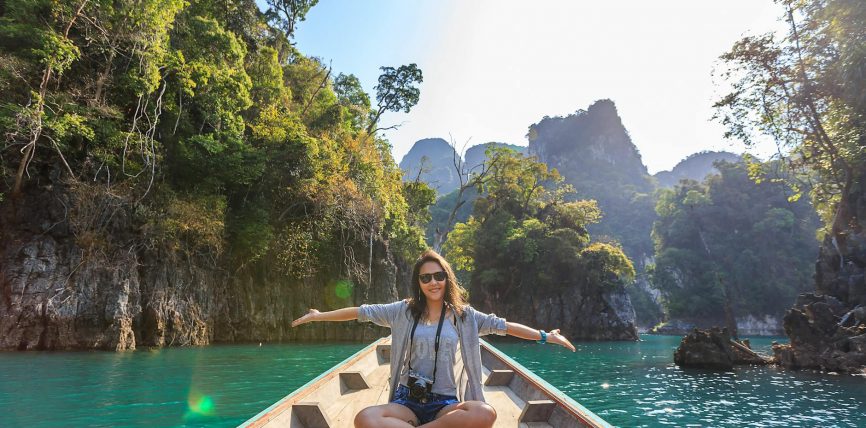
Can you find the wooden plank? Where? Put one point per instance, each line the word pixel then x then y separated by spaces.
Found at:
pixel 383 352
pixel 537 411
pixel 507 405
pixel 499 377
pixel 311 415
pixel 342 412
pixel 276 410
pixel 352 381
pixel 333 399
pixel 495 359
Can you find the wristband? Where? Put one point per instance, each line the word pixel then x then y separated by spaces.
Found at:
pixel 543 339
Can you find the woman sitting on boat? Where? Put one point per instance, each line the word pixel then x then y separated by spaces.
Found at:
pixel 426 331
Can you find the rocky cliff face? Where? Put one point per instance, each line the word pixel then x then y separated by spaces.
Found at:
pixel 591 144
pixel 581 314
pixel 477 155
pixel 594 153
pixel 695 167
pixel 260 305
pixel 432 161
pixel 61 288
pixel 828 328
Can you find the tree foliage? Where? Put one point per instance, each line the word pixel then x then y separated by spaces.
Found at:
pixel 524 233
pixel 805 91
pixel 730 231
pixel 595 154
pixel 215 129
pixel 396 91
pixel 285 14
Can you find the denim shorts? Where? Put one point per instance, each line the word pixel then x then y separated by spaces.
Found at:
pixel 425 412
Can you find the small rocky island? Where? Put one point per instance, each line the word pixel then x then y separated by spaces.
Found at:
pixel 715 349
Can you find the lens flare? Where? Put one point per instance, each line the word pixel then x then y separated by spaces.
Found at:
pixel 202 405
pixel 343 289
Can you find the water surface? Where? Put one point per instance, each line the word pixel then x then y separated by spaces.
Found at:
pixel 637 384
pixel 626 383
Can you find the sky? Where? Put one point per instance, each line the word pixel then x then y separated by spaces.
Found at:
pixel 494 67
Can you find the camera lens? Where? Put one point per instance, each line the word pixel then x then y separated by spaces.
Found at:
pixel 416 391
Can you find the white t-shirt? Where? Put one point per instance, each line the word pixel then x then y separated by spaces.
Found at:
pixel 424 350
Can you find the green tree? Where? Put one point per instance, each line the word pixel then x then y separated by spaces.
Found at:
pixel 353 98
pixel 396 91
pixel 732 246
pixel 805 91
pixel 208 129
pixel 525 233
pixel 285 14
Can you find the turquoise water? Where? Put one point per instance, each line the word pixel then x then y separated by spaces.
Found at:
pixel 220 386
pixel 636 384
pixel 626 383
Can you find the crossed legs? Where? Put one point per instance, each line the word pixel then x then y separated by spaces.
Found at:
pixel 391 415
pixel 469 414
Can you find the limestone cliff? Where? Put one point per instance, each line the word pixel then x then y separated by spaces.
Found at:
pixel 64 289
pixel 593 151
pixel 827 328
pixel 432 161
pixel 694 167
pixel 582 313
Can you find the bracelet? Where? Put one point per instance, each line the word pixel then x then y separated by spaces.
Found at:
pixel 543 339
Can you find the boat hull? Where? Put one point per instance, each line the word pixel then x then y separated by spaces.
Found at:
pixel 521 398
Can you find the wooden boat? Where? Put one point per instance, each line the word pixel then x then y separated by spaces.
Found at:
pixel 521 398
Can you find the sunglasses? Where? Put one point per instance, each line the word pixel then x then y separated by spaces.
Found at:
pixel 427 277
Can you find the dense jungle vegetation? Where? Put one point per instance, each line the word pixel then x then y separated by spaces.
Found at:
pixel 731 235
pixel 595 154
pixel 203 120
pixel 805 91
pixel 525 234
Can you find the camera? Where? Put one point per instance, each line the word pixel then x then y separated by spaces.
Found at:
pixel 419 387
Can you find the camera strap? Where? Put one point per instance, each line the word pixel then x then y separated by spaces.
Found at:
pixel 436 344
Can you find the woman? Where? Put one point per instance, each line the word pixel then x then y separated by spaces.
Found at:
pixel 426 331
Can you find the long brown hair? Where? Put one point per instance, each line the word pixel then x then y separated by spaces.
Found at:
pixel 455 295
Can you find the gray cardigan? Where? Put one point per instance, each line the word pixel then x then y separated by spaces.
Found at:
pixel 470 326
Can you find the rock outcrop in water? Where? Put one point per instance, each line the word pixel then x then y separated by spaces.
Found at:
pixel 706 349
pixel 594 153
pixel 714 349
pixel 825 335
pixel 828 328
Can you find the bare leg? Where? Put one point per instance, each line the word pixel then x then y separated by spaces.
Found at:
pixel 391 415
pixel 468 414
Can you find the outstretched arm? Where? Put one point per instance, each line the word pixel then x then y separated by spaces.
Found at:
pixel 524 332
pixel 345 314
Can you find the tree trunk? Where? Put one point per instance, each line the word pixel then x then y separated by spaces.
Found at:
pixel 36 132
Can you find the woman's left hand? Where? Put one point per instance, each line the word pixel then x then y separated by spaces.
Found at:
pixel 555 337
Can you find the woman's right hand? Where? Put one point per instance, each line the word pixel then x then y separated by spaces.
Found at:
pixel 309 317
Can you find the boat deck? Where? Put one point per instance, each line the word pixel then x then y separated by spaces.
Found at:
pixel 520 398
